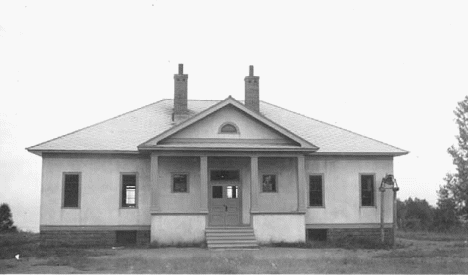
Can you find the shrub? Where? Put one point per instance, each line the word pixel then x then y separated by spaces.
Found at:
pixel 6 219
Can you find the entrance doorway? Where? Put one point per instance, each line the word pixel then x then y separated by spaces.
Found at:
pixel 224 198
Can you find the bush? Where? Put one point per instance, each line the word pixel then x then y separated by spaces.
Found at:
pixel 6 219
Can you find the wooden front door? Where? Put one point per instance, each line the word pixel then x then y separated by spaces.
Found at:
pixel 225 202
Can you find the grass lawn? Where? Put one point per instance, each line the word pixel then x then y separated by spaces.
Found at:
pixel 414 254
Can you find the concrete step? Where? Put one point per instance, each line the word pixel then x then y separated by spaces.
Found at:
pixel 231 238
pixel 233 246
pixel 230 234
pixel 227 238
pixel 229 230
pixel 232 241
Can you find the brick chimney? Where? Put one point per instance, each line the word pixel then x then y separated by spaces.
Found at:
pixel 252 98
pixel 180 95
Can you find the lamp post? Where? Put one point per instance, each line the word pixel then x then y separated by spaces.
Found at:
pixel 388 182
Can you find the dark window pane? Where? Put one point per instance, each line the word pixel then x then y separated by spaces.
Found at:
pixel 315 191
pixel 229 128
pixel 179 183
pixel 232 192
pixel 269 183
pixel 128 190
pixel 217 192
pixel 224 175
pixel 71 190
pixel 129 179
pixel 367 190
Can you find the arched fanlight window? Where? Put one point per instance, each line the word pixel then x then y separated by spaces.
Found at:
pixel 228 128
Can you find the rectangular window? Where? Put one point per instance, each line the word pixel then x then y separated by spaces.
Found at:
pixel 220 175
pixel 129 190
pixel 367 190
pixel 269 184
pixel 315 190
pixel 217 192
pixel 71 190
pixel 180 183
pixel 232 192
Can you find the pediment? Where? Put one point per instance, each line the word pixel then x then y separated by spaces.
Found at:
pixel 228 124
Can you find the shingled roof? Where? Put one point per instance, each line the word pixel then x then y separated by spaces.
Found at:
pixel 126 132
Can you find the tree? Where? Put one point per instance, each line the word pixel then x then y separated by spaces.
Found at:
pixel 6 220
pixel 453 196
pixel 445 216
pixel 415 214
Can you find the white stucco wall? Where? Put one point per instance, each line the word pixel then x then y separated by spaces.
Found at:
pixel 171 202
pixel 100 190
pixel 279 228
pixel 175 229
pixel 285 199
pixel 342 189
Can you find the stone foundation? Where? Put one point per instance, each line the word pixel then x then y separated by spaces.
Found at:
pixel 95 238
pixel 371 234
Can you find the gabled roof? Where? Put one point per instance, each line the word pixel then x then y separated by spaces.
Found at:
pixel 304 144
pixel 124 133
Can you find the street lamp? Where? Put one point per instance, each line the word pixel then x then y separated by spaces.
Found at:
pixel 388 182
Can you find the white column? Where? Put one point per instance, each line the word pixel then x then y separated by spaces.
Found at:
pixel 155 188
pixel 204 184
pixel 254 188
pixel 301 184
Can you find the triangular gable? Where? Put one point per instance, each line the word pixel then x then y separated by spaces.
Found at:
pixel 258 128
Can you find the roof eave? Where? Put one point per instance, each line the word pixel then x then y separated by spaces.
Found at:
pixel 394 154
pixel 238 149
pixel 39 152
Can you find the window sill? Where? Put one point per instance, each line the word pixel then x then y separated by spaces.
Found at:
pixel 128 207
pixel 315 207
pixel 71 207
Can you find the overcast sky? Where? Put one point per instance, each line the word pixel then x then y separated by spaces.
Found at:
pixel 393 71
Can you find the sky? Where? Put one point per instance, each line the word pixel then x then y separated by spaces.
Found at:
pixel 390 70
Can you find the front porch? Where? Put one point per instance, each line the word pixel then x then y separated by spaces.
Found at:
pixel 193 192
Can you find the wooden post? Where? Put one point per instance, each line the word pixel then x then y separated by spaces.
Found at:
pixel 154 181
pixel 394 214
pixel 301 184
pixel 204 184
pixel 254 187
pixel 382 229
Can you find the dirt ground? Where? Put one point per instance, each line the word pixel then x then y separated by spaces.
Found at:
pixel 412 256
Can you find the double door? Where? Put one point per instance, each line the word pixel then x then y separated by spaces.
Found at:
pixel 225 203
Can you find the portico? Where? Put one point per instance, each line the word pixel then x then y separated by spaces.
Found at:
pixel 226 189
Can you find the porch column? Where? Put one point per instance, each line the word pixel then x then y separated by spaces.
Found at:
pixel 254 188
pixel 204 184
pixel 301 184
pixel 155 188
